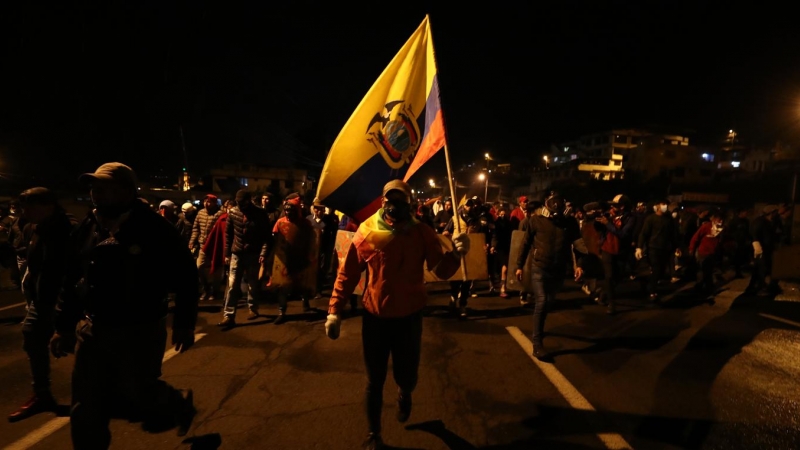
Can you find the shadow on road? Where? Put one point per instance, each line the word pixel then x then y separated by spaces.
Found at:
pixel 685 384
pixel 210 441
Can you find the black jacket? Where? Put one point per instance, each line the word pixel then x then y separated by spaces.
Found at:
pixel 125 279
pixel 248 232
pixel 659 233
pixel 552 241
pixel 47 253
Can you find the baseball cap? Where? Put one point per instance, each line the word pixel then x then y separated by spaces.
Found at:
pixel 188 206
pixel 166 204
pixel 398 185
pixel 114 172
pixel 523 199
pixel 620 199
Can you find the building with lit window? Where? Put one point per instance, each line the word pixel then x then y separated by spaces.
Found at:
pixel 256 178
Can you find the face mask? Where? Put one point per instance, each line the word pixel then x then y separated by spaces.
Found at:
pixel 397 210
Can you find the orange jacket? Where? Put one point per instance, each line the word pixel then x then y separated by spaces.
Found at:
pixel 395 285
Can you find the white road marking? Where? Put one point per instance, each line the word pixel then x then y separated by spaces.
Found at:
pixel 39 434
pixel 16 305
pixel 780 319
pixel 612 441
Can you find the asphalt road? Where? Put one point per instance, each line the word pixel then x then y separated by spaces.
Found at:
pixel 687 375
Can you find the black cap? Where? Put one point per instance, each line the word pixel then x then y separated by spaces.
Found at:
pixel 38 196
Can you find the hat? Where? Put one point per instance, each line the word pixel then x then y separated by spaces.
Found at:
pixel 769 209
pixel 166 204
pixel 317 204
pixel 293 199
pixel 523 199
pixel 114 172
pixel 592 206
pixel 398 185
pixel 211 197
pixel 243 195
pixel 620 199
pixel 38 196
pixel 186 207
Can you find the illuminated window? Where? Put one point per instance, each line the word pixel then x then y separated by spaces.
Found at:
pixel 736 164
pixel 707 157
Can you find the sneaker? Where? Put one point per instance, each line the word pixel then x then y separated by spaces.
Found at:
pixel 227 322
pixel 403 407
pixel 252 315
pixel 373 442
pixel 462 312
pixel 37 404
pixel 523 300
pixel 185 415
pixel 280 319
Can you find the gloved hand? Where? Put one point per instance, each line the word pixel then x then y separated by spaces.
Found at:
pixel 639 254
pixel 461 244
pixel 332 326
pixel 757 250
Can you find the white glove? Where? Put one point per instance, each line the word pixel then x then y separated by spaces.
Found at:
pixel 757 250
pixel 461 244
pixel 332 326
pixel 638 254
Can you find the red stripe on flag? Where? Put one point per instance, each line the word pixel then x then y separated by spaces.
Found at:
pixel 368 210
pixel 433 142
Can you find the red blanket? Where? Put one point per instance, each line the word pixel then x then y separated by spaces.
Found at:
pixel 214 248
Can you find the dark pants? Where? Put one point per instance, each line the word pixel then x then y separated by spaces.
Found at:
pixel 460 290
pixel 762 267
pixel 707 265
pixel 611 275
pixel 37 329
pixel 117 370
pixel 659 260
pixel 400 337
pixel 545 286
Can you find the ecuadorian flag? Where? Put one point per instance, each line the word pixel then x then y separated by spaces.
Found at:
pixel 397 127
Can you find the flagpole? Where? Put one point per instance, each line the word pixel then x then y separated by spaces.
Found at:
pixel 456 215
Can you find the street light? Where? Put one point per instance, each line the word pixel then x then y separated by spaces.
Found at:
pixel 432 183
pixel 483 177
pixel 546 162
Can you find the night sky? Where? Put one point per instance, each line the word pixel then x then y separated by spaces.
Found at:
pixel 87 82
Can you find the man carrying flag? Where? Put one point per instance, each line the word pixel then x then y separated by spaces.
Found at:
pixel 393 247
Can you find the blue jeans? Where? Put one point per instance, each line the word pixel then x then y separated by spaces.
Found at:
pixel 545 286
pixel 242 267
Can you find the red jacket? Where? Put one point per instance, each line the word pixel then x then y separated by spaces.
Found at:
pixel 395 278
pixel 703 242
